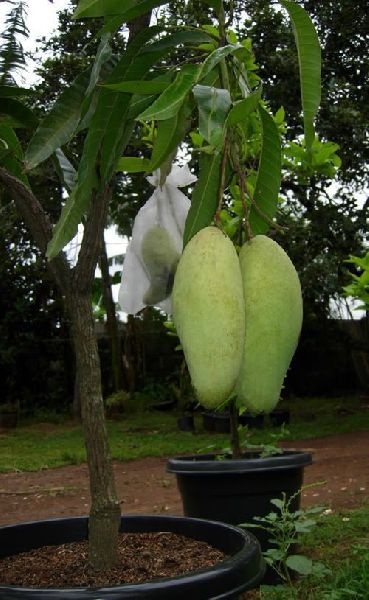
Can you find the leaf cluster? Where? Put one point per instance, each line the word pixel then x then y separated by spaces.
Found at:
pixel 286 527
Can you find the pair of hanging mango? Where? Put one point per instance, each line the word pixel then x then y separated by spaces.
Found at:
pixel 238 318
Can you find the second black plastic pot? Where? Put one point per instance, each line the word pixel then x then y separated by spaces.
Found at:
pixel 241 570
pixel 237 490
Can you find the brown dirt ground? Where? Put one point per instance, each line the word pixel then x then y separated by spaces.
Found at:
pixel 341 462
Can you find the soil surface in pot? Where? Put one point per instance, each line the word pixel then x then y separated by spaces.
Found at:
pixel 144 487
pixel 142 557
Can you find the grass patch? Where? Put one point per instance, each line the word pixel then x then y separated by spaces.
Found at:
pixel 34 446
pixel 341 541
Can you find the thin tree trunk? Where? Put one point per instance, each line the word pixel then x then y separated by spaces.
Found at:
pixel 105 510
pixel 111 319
pixel 75 286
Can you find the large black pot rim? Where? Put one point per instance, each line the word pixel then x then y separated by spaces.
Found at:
pixel 241 571
pixel 207 464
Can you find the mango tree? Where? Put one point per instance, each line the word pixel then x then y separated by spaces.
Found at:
pixel 237 138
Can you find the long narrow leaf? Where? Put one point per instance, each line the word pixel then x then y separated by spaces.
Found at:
pixel 135 48
pixel 13 91
pixel 67 173
pixel 138 105
pixel 103 54
pixel 141 7
pixel 205 196
pixel 66 227
pixel 169 135
pixel 215 57
pixel 108 133
pixel 131 164
pixel 60 123
pixel 16 114
pixel 172 98
pixel 111 146
pixel 178 38
pixel 309 54
pixel 11 153
pixel 214 104
pixel 269 176
pixel 129 9
pixel 242 109
pixel 139 87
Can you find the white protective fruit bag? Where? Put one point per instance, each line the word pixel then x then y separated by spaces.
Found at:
pixel 156 244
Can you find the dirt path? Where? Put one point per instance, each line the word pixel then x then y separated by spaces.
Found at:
pixel 145 487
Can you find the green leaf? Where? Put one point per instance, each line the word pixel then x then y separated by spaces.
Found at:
pixel 140 87
pixel 134 49
pixel 60 123
pixel 11 153
pixel 129 9
pixel 103 54
pixel 299 563
pixel 13 91
pixel 269 175
pixel 242 109
pixel 17 114
pixel 214 104
pixel 108 125
pixel 107 136
pixel 66 171
pixel 204 197
pixel 8 135
pixel 131 164
pixel 169 135
pixel 140 7
pixel 278 503
pixel 172 98
pixel 66 227
pixel 304 526
pixel 178 38
pixel 215 57
pixel 309 54
pixel 138 105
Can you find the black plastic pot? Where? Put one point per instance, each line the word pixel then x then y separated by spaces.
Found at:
pixel 208 421
pixel 186 423
pixel 242 570
pixel 164 406
pixel 237 490
pixel 251 420
pixel 221 423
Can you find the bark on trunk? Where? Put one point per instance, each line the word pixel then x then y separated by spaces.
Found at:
pixel 105 510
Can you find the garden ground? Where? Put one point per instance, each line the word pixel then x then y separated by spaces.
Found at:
pixel 341 462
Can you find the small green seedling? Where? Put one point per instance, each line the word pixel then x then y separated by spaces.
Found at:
pixel 286 528
pixel 264 450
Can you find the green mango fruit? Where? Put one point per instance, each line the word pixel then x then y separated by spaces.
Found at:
pixel 160 259
pixel 209 315
pixel 273 320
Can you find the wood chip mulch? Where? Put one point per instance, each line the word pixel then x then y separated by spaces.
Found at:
pixel 142 557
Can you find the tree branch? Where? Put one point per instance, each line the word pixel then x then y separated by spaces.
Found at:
pixel 84 272
pixel 37 221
